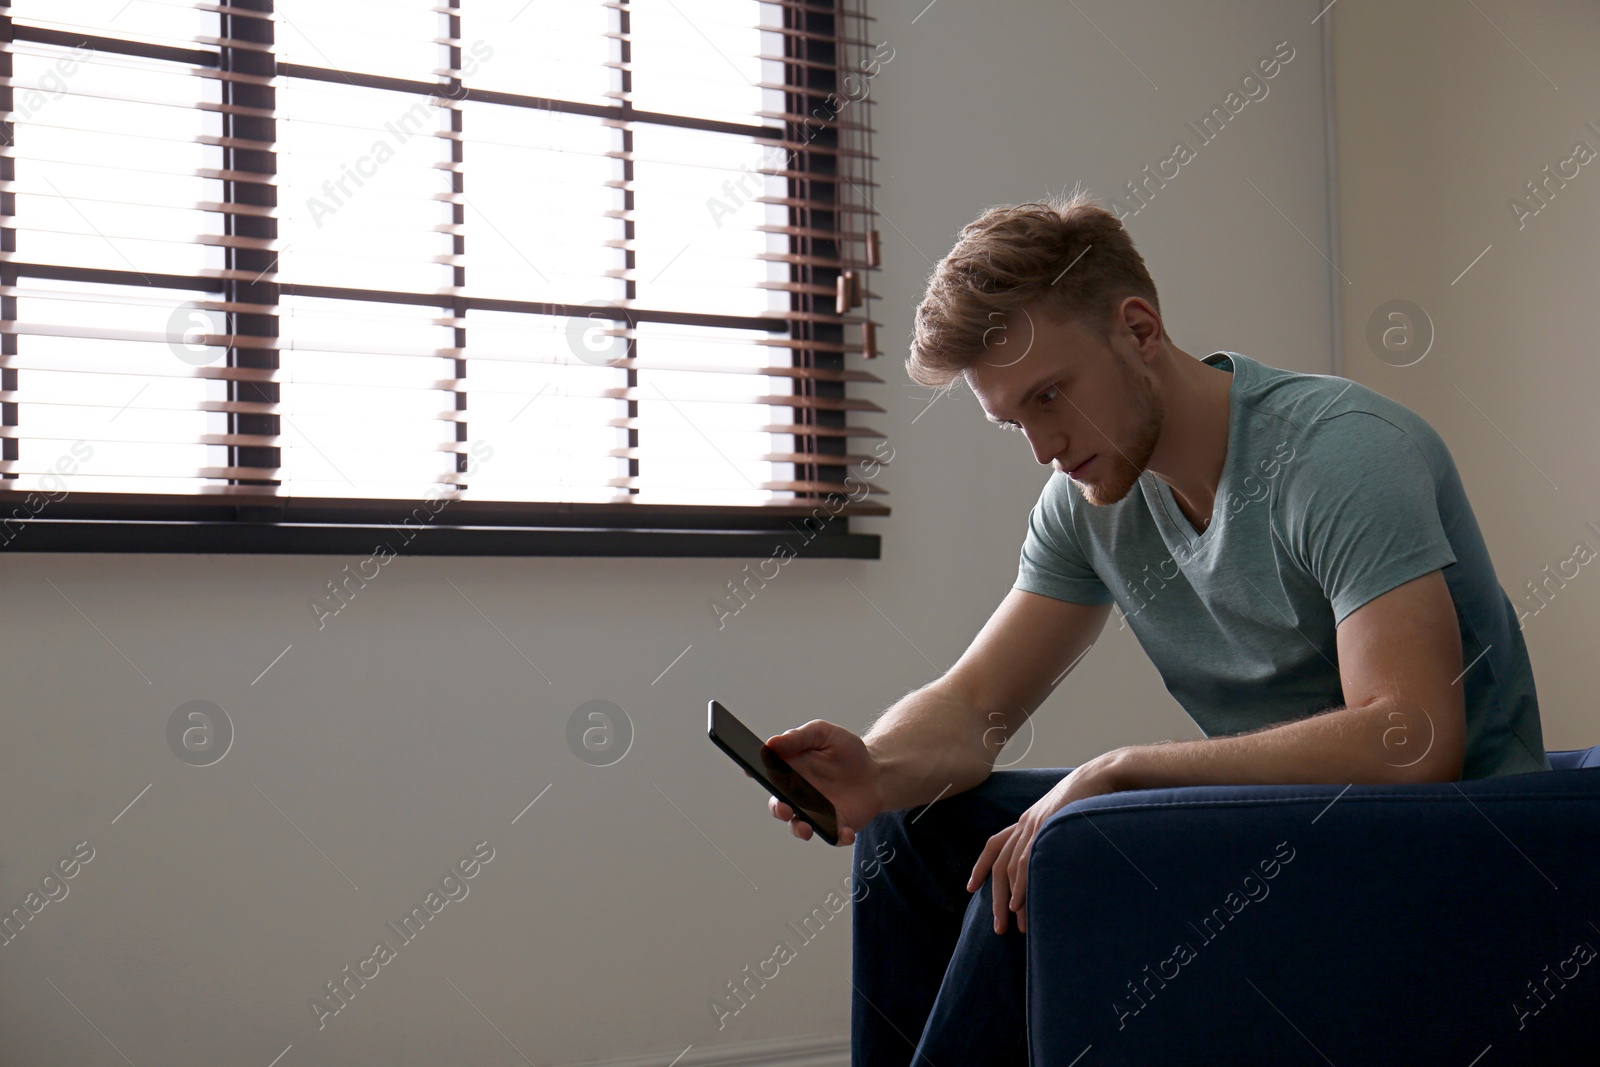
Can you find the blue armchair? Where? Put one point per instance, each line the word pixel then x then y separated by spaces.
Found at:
pixel 1453 923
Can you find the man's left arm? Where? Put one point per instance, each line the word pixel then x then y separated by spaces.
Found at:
pixel 1403 720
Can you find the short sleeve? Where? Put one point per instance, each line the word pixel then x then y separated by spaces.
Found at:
pixel 1052 564
pixel 1359 508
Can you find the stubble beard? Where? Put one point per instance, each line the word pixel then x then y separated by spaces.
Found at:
pixel 1123 465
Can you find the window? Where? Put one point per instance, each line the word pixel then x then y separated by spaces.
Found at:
pixel 568 278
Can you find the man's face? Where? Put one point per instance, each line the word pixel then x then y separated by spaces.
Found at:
pixel 1085 406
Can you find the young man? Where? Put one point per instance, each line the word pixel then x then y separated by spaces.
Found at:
pixel 1295 553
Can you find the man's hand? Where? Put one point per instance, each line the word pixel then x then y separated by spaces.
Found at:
pixel 837 762
pixel 1007 851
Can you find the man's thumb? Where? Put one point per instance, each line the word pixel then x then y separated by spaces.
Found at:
pixel 797 740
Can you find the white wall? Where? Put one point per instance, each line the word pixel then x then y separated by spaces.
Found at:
pixel 409 728
pixel 1444 113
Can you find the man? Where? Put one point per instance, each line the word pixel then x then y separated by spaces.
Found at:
pixel 1295 552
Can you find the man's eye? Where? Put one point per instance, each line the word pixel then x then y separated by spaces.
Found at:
pixel 1048 393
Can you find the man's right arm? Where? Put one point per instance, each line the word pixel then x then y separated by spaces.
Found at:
pixel 943 738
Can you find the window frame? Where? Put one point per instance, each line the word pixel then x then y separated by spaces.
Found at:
pixel 813 523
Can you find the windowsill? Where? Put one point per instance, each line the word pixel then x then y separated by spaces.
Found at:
pixel 339 539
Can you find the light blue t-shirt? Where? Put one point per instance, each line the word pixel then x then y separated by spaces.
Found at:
pixel 1331 494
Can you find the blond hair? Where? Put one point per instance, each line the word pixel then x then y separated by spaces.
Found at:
pixel 1069 253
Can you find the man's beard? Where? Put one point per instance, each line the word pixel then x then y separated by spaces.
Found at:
pixel 1122 466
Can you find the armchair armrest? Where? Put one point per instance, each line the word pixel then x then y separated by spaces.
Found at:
pixel 1291 924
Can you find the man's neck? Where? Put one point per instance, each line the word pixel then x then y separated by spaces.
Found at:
pixel 1194 436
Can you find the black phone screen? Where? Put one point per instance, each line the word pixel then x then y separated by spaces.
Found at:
pixel 770 769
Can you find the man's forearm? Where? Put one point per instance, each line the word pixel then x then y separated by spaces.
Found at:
pixel 930 743
pixel 1382 742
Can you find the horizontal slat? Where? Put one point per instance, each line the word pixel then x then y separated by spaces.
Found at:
pixel 845 151
pixel 809 35
pixel 252 407
pixel 800 5
pixel 236 440
pixel 809 8
pixel 444 476
pixel 814 290
pixel 776 169
pixel 846 231
pixel 216 107
pixel 447 296
pixel 244 307
pixel 801 458
pixel 208 240
pixel 811 345
pixel 828 263
pixel 242 440
pixel 844 207
pixel 848 151
pixel 778 400
pixel 812 231
pixel 797 429
pixel 179 371
pixel 23 361
pixel 465 506
pixel 817 374
pixel 802 62
pixel 243 144
pixel 832 122
pixel 785 487
pixel 265 212
pixel 238 407
pixel 206 473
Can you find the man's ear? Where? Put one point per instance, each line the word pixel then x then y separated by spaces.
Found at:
pixel 1142 321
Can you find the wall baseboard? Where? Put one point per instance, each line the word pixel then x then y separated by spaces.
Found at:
pixel 810 1051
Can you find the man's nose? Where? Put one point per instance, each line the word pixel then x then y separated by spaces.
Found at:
pixel 1046 445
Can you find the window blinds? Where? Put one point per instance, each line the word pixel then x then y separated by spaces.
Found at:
pixel 305 260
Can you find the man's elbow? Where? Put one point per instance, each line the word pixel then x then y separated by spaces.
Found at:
pixel 1432 770
pixel 1430 747
pixel 1445 761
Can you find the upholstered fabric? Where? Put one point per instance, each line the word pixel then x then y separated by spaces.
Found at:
pixel 1286 925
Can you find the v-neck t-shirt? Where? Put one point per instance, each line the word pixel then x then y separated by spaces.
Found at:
pixel 1331 494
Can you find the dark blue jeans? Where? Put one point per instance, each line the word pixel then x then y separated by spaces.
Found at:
pixel 935 986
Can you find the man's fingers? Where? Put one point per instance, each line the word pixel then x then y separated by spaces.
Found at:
pixel 1019 886
pixel 1019 875
pixel 779 809
pixel 1018 849
pixel 1000 876
pixel 1001 892
pixel 980 870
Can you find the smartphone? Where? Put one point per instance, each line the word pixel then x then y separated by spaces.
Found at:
pixel 770 769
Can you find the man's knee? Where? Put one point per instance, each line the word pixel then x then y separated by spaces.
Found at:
pixel 991 805
pixel 953 828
